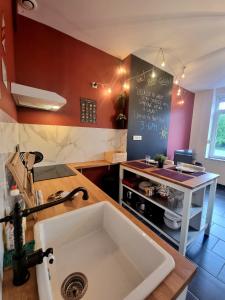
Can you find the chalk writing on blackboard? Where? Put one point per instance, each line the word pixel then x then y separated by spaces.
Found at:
pixel 149 109
pixel 140 78
pixel 152 81
pixel 164 133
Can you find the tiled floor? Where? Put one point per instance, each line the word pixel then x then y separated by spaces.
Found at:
pixel 209 255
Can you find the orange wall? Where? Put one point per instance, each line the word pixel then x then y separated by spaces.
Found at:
pixel 6 103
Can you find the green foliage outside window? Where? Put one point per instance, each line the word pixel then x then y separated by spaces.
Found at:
pixel 220 134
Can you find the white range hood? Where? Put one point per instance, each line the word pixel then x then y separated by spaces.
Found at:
pixel 36 98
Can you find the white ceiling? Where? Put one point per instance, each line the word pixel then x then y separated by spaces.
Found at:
pixel 191 32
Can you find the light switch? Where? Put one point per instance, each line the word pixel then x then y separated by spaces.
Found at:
pixel 137 137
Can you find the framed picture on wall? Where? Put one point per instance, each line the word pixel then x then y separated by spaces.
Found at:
pixel 88 110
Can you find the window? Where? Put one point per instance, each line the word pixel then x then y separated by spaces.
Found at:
pixel 217 139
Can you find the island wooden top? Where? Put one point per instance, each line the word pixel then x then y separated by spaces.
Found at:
pixel 170 288
pixel 192 183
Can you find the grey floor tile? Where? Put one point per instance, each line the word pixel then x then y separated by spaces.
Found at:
pixel 219 220
pixel 219 210
pixel 210 262
pixel 221 275
pixel 218 231
pixel 206 287
pixel 207 241
pixel 219 248
pixel 193 251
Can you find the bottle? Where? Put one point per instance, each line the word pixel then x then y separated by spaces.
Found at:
pixel 9 232
pixel 18 198
pixel 9 228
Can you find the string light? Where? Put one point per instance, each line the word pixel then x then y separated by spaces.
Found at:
pixel 181 102
pixel 176 81
pixel 109 90
pixel 163 63
pixel 106 87
pixel 183 74
pixel 153 75
pixel 126 86
pixel 121 70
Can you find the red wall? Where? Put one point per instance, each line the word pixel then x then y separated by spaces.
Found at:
pixel 180 121
pixel 48 59
pixel 6 103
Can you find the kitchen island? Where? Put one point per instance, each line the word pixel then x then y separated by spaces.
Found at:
pixel 191 187
pixel 171 288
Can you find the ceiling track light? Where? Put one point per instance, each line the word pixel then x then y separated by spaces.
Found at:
pixel 179 92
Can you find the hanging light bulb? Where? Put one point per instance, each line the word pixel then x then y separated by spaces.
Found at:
pixel 183 74
pixel 109 90
pixel 153 75
pixel 163 63
pixel 179 92
pixel 181 102
pixel 126 86
pixel 176 81
pixel 121 70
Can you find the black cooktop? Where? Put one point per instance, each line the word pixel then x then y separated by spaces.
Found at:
pixel 51 172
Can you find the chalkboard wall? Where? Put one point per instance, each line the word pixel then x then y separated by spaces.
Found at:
pixel 149 109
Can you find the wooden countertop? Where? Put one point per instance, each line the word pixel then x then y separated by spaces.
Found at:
pixel 192 183
pixel 170 288
pixel 91 164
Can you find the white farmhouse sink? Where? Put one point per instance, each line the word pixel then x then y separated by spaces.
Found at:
pixel 119 260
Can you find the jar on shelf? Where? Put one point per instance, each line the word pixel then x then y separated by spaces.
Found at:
pixel 163 191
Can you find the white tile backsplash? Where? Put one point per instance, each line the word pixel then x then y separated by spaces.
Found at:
pixel 8 140
pixel 65 144
pixel 59 144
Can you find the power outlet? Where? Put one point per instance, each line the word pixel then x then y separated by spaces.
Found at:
pixel 137 137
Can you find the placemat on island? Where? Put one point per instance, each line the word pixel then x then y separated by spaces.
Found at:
pixel 138 164
pixel 172 175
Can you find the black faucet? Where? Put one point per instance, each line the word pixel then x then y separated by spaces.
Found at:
pixel 21 260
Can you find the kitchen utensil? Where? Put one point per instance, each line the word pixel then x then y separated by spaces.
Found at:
pixel 172 221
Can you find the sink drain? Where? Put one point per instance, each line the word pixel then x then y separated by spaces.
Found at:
pixel 74 286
